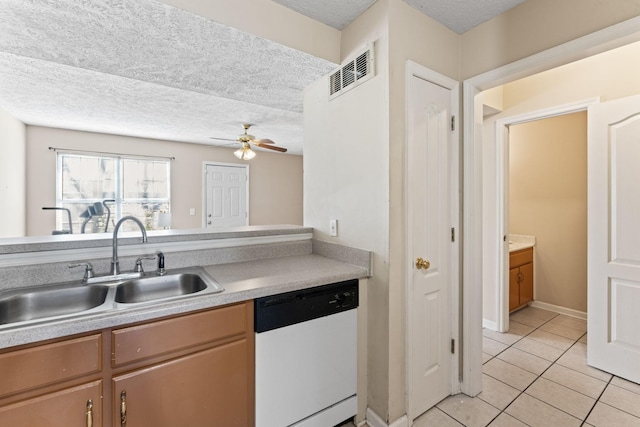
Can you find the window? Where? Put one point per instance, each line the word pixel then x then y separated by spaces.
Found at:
pixel 126 186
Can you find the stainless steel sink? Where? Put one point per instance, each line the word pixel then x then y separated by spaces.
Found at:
pixel 54 302
pixel 160 287
pixel 49 301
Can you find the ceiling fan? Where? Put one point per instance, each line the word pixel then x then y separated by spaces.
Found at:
pixel 245 152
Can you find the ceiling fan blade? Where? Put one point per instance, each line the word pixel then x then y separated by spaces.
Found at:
pixel 263 141
pixel 271 147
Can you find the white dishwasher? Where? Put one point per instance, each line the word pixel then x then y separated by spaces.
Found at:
pixel 306 351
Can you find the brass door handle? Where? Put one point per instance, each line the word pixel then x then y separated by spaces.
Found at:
pixel 422 264
pixel 89 413
pixel 123 409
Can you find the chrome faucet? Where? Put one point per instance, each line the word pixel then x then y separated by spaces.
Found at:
pixel 115 263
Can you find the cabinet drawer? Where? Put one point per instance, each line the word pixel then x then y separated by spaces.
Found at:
pixel 48 364
pixel 160 337
pixel 64 408
pixel 519 258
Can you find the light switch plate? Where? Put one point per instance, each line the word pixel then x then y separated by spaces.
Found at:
pixel 192 211
pixel 333 227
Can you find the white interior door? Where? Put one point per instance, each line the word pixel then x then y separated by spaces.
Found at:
pixel 429 193
pixel 225 196
pixel 614 237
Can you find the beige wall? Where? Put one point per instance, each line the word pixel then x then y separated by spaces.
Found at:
pixel 548 199
pixel 275 180
pixel 270 20
pixel 12 176
pixel 535 26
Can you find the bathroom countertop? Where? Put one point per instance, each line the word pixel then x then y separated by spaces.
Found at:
pixel 518 242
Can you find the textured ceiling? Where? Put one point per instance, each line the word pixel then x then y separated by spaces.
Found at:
pixel 462 15
pixel 335 13
pixel 457 15
pixel 144 68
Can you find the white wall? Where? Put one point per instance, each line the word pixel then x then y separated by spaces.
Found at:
pixel 275 180
pixel 416 37
pixel 346 178
pixel 610 75
pixel 354 172
pixel 12 176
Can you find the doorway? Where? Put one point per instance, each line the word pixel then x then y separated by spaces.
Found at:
pixel 546 157
pixel 480 182
pixel 432 293
pixel 226 195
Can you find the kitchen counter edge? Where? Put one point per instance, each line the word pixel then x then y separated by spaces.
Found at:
pixel 242 281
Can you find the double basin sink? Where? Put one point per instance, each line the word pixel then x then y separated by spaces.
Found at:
pixel 71 299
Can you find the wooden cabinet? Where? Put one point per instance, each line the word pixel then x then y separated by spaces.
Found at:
pixel 212 384
pixel 73 406
pixel 52 384
pixel 196 369
pixel 520 278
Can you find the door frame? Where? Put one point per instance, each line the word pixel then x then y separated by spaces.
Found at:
pixel 600 41
pixel 204 186
pixel 501 140
pixel 414 69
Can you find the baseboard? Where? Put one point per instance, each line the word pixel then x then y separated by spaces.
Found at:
pixel 374 420
pixel 489 324
pixel 558 309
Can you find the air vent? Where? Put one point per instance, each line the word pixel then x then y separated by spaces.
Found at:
pixel 352 73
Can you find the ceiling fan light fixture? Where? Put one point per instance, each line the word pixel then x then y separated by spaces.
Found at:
pixel 245 153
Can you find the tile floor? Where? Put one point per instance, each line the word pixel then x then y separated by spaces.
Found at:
pixel 536 375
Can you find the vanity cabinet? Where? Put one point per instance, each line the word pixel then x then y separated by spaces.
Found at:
pixel 520 278
pixel 193 369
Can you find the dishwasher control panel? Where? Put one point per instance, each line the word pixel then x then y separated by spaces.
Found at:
pixel 289 308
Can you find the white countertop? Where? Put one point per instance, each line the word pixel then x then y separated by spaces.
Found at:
pixel 242 281
pixel 518 242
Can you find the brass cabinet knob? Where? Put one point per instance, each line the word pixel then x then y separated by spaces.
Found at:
pixel 422 264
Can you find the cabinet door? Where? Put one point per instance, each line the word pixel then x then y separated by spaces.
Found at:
pixel 209 388
pixel 526 283
pixel 64 408
pixel 514 290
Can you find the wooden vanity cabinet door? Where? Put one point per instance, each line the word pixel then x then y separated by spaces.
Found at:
pixel 64 408
pixel 208 388
pixel 526 283
pixel 514 289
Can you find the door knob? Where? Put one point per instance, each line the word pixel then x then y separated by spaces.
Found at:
pixel 422 264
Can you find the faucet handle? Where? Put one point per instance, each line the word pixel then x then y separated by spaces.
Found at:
pixel 139 262
pixel 88 270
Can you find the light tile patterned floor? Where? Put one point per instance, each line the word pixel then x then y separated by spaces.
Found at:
pixel 536 375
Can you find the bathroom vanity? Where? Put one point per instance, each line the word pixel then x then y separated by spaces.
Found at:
pixel 520 278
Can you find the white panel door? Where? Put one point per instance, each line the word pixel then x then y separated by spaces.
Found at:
pixel 429 238
pixel 226 196
pixel 614 237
